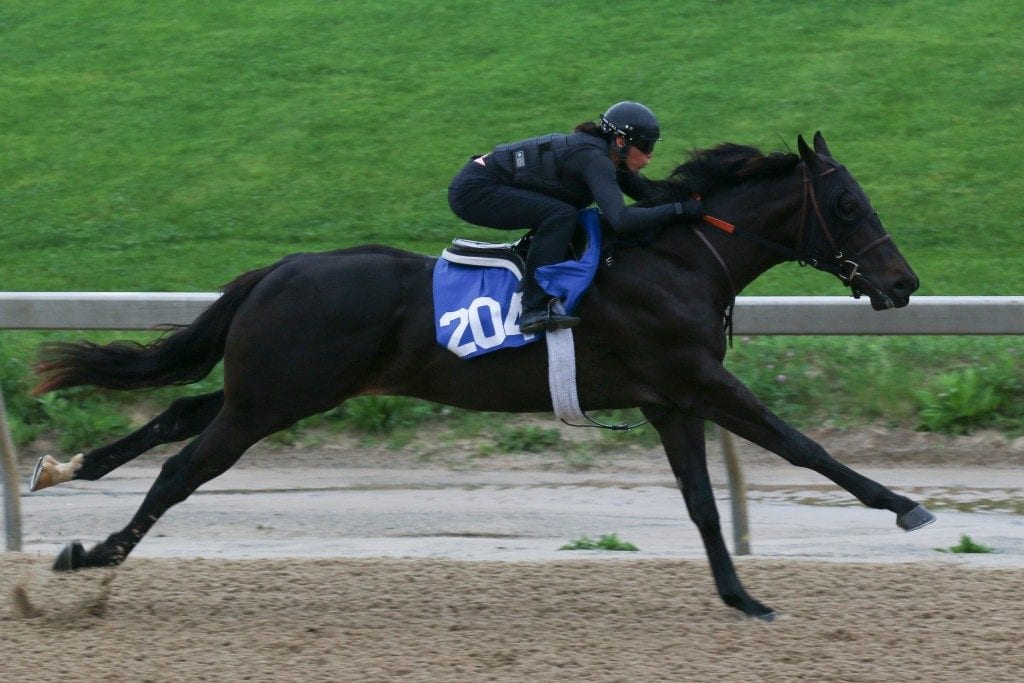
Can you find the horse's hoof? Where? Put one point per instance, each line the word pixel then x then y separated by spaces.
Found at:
pixel 70 557
pixel 42 475
pixel 915 519
pixel 753 609
pixel 761 612
pixel 49 471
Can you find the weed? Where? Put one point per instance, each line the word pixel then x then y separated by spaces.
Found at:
pixel 529 439
pixel 24 413
pixel 83 422
pixel 579 458
pixel 385 414
pixel 606 542
pixel 966 545
pixel 971 397
pixel 833 381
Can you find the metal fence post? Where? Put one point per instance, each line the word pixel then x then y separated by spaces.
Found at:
pixel 737 494
pixel 12 497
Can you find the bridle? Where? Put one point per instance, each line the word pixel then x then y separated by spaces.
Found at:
pixel 844 267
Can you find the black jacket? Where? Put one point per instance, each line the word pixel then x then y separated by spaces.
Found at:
pixel 577 168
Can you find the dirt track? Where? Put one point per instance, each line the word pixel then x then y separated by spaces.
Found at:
pixel 361 620
pixel 936 618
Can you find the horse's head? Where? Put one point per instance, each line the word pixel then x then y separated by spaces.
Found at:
pixel 841 233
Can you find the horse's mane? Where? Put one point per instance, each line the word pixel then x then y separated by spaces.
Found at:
pixel 710 170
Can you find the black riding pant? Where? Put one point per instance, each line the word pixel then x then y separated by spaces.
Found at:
pixel 482 196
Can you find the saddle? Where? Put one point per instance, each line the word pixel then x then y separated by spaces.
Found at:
pixel 508 255
pixel 477 301
pixel 511 255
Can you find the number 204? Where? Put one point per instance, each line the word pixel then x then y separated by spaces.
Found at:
pixel 472 320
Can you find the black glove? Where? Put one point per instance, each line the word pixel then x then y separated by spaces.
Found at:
pixel 691 208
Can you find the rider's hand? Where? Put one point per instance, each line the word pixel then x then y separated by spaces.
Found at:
pixel 691 208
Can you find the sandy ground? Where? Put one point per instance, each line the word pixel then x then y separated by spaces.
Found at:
pixel 369 564
pixel 441 620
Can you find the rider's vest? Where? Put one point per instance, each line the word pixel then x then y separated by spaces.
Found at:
pixel 536 163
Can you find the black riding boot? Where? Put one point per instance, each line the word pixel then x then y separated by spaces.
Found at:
pixel 537 315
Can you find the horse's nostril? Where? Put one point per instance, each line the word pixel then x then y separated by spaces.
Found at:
pixel 905 287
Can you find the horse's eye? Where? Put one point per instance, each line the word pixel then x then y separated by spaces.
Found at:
pixel 845 205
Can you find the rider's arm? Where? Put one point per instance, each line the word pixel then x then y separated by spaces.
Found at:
pixel 598 172
pixel 636 186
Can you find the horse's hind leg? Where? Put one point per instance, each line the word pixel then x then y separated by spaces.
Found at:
pixel 683 439
pixel 185 418
pixel 210 454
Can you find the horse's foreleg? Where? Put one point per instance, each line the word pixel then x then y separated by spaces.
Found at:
pixel 212 453
pixel 734 407
pixel 683 439
pixel 185 418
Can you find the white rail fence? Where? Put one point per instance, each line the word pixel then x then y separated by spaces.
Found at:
pixel 754 315
pixel 802 315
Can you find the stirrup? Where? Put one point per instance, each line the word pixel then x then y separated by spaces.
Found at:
pixel 546 320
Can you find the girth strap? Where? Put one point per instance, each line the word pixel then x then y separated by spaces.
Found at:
pixel 562 381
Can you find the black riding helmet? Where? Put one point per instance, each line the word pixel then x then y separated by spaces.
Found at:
pixel 633 121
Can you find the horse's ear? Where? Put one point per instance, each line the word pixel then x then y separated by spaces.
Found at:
pixel 820 147
pixel 809 157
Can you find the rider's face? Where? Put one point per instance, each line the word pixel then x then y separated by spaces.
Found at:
pixel 636 160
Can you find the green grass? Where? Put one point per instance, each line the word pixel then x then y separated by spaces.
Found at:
pixel 943 384
pixel 966 545
pixel 170 146
pixel 606 542
pixel 528 439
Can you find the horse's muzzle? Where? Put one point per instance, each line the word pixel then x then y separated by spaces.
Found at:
pixel 895 296
pixel 902 290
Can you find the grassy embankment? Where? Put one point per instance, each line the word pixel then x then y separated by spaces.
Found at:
pixel 171 146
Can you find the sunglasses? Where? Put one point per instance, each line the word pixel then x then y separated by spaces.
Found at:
pixel 645 146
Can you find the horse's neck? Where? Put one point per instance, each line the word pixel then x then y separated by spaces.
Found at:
pixel 770 209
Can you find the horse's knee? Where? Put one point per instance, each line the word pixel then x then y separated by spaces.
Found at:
pixel 181 407
pixel 190 414
pixel 702 509
pixel 178 465
pixel 705 516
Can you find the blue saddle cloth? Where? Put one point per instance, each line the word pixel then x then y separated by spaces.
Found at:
pixel 477 308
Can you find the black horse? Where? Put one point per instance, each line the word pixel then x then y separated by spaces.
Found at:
pixel 303 335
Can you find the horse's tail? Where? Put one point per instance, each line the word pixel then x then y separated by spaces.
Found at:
pixel 185 355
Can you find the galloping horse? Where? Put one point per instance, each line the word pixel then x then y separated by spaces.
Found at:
pixel 313 330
